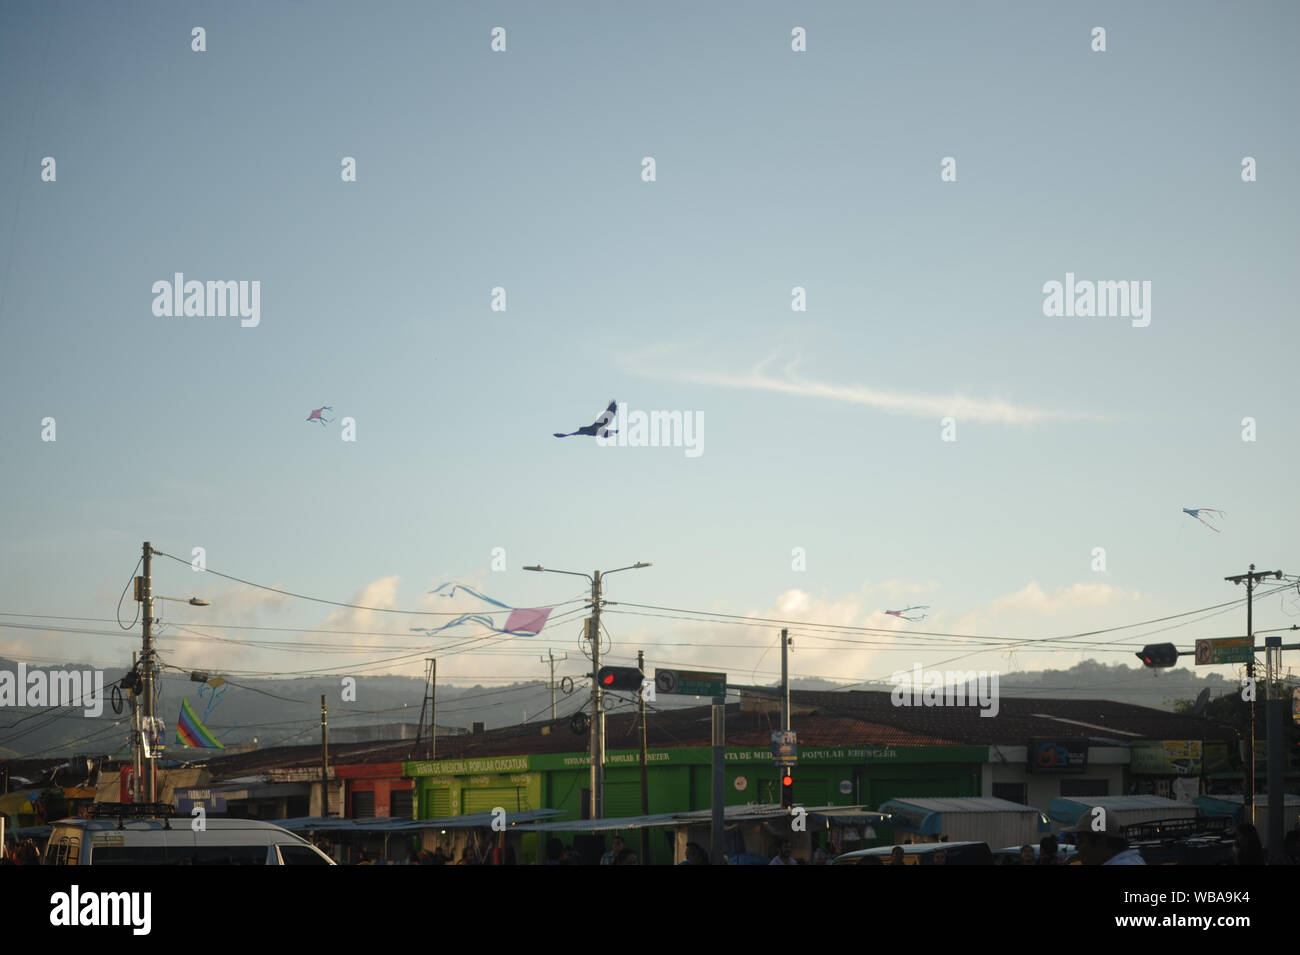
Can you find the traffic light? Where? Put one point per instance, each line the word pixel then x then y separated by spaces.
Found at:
pixel 1159 655
pixel 620 678
pixel 787 790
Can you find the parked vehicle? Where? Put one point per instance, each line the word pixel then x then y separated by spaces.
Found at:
pixel 923 853
pixel 1011 854
pixel 172 841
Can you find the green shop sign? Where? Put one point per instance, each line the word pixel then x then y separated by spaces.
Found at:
pixel 699 756
pixel 468 767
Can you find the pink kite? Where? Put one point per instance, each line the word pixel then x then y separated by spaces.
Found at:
pixel 903 614
pixel 527 621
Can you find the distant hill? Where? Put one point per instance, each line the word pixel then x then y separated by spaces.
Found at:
pixel 275 712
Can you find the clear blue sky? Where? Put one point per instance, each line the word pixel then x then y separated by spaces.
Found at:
pixel 522 169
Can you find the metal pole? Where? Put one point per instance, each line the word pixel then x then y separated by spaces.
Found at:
pixel 645 785
pixel 146 601
pixel 1276 752
pixel 433 710
pixel 1250 672
pixel 136 755
pixel 785 681
pixel 324 762
pixel 550 654
pixel 597 714
pixel 719 744
pixel 1249 579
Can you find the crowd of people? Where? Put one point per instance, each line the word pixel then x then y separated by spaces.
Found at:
pixel 26 852
pixel 1107 846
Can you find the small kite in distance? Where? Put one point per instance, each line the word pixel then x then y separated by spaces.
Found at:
pixel 317 416
pixel 902 614
pixel 598 428
pixel 1196 513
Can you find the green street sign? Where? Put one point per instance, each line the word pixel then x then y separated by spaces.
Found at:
pixel 1225 650
pixel 691 683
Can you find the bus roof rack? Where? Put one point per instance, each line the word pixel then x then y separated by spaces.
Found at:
pixel 1177 828
pixel 121 811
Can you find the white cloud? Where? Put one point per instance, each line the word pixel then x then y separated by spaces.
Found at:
pixel 903 588
pixel 381 593
pixel 962 407
pixel 240 604
pixel 1033 599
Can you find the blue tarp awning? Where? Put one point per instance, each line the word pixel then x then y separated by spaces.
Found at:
pixel 848 816
pixel 911 818
pixel 702 817
pixel 478 820
pixel 1233 806
pixel 1067 811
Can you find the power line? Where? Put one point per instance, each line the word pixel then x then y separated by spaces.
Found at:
pixel 919 633
pixel 337 603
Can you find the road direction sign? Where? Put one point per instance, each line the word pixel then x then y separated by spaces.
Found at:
pixel 1225 650
pixel 691 683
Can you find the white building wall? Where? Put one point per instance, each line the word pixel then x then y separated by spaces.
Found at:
pixel 1007 764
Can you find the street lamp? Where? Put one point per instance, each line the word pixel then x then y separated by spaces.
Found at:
pixel 192 601
pixel 597 717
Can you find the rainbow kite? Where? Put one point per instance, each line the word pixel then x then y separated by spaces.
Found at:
pixel 190 730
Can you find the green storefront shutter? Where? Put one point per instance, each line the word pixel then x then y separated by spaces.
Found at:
pixel 485 800
pixel 622 799
pixel 439 803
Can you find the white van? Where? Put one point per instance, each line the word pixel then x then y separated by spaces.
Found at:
pixel 171 841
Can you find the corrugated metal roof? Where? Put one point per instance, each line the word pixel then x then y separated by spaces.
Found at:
pixel 965 804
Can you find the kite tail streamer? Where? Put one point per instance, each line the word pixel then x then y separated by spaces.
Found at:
pixel 468 590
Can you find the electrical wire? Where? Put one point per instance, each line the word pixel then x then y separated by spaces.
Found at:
pixel 123 597
pixel 336 603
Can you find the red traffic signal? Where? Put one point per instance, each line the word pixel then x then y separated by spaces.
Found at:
pixel 620 678
pixel 1159 655
pixel 787 791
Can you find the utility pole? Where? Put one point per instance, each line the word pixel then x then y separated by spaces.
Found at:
pixel 146 658
pixel 1276 752
pixel 785 768
pixel 718 815
pixel 324 762
pixel 597 713
pixel 1249 579
pixel 785 680
pixel 136 754
pixel 428 705
pixel 550 654
pixel 597 805
pixel 645 786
